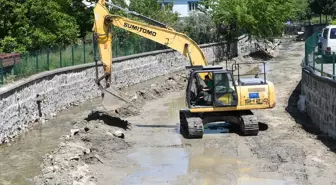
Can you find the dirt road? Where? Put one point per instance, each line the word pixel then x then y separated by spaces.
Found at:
pixel 153 151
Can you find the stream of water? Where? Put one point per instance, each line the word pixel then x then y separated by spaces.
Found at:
pixel 20 161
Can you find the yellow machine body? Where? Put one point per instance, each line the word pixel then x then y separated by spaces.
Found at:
pixel 266 99
pixel 104 36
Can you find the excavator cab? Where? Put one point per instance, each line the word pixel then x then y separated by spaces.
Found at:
pixel 216 90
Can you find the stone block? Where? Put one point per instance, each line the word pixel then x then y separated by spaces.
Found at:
pixel 320 102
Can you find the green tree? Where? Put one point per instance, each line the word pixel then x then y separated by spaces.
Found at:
pixel 34 24
pixel 199 27
pixel 14 27
pixel 153 9
pixel 323 7
pixel 302 10
pixel 261 19
pixel 82 14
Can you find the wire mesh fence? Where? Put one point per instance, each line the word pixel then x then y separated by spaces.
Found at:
pixel 34 62
pixel 318 58
pixel 51 58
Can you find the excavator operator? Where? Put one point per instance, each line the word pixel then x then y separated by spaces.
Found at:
pixel 209 83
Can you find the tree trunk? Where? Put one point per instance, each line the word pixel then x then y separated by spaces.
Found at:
pixel 320 18
pixel 326 16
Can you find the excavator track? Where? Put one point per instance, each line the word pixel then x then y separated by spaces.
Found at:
pixel 249 125
pixel 191 125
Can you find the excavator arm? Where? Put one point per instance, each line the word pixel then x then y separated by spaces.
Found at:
pixel 161 34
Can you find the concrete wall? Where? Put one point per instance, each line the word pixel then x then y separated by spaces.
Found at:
pixel 64 87
pixel 320 100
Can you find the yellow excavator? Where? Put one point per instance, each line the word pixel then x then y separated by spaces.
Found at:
pixel 212 94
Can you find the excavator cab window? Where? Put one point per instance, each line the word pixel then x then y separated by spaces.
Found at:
pixel 199 93
pixel 218 90
pixel 225 93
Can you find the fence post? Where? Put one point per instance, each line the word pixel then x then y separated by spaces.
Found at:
pixel 306 58
pixel 84 51
pixel 60 56
pixel 1 73
pixel 116 46
pixel 322 68
pixel 48 59
pixel 15 70
pixel 333 65
pixel 26 57
pixel 36 61
pixel 313 61
pixel 72 55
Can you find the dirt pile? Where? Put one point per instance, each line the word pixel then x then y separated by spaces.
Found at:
pixel 88 143
pixel 171 84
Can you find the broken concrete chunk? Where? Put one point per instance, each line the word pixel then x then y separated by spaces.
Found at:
pixel 74 131
pixel 154 85
pixel 119 134
pixel 108 133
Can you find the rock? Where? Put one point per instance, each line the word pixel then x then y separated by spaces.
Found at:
pixel 56 168
pixel 153 85
pixel 74 131
pixel 77 183
pixel 48 169
pixel 119 134
pixel 108 133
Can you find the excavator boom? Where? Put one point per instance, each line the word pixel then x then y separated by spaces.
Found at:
pixel 161 34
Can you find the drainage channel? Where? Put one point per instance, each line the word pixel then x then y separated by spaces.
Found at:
pixel 20 161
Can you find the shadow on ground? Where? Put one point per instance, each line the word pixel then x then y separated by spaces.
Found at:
pixel 260 55
pixel 304 120
pixel 229 129
pixel 108 119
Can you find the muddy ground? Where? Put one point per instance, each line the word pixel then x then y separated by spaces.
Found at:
pixel 154 152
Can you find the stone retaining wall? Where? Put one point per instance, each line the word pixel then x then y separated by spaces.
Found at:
pixel 320 100
pixel 61 88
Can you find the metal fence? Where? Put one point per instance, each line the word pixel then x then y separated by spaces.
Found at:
pixel 320 61
pixel 53 58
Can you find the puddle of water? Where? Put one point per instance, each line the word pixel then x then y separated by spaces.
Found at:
pixel 21 161
pixel 159 165
pixel 217 128
pixel 204 166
